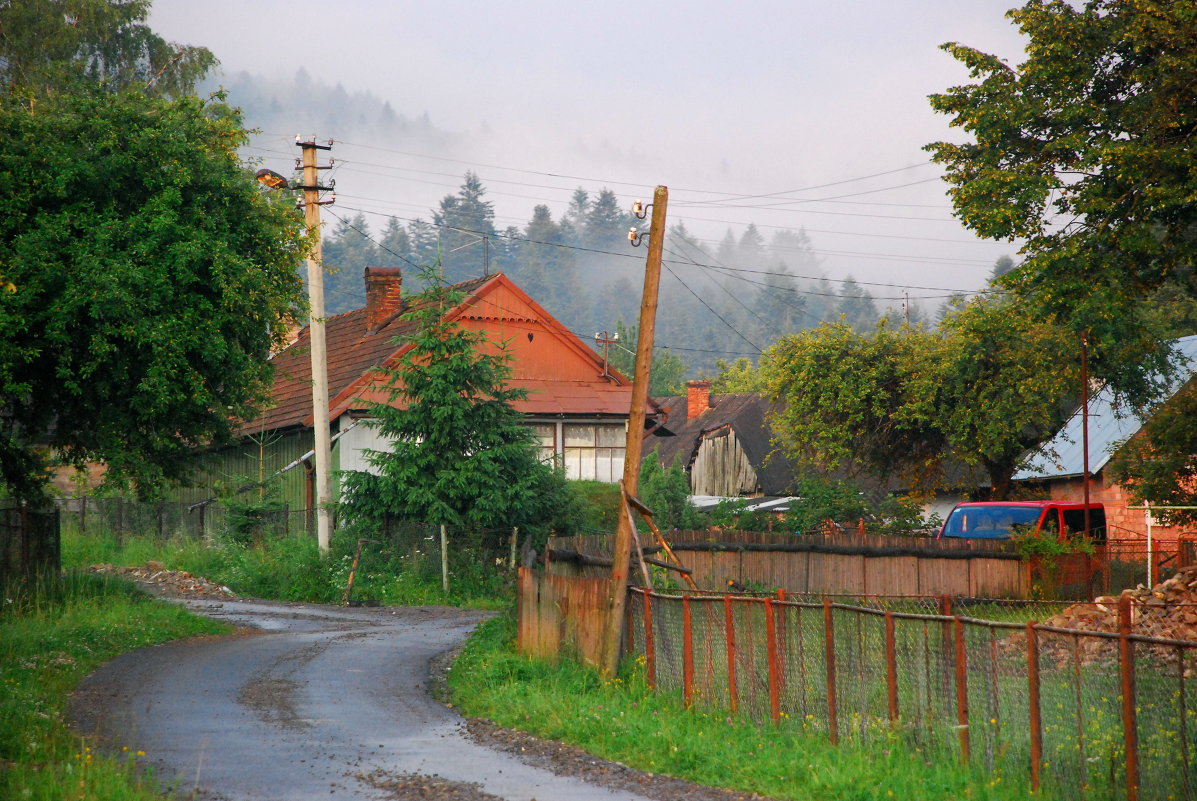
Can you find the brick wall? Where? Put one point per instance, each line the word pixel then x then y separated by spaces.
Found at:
pixel 1123 523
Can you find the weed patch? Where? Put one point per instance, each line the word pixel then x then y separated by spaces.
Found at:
pixel 53 632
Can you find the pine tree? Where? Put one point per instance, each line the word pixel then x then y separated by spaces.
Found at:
pixel 467 229
pixel 607 222
pixel 395 246
pixel 347 253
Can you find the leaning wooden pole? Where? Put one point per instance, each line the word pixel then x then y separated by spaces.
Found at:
pixel 613 631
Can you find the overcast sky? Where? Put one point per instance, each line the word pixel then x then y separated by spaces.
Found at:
pixel 714 100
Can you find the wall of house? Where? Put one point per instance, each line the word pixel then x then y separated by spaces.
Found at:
pixel 722 468
pixel 219 472
pixel 352 446
pixel 1123 523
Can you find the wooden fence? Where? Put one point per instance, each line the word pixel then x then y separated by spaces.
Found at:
pixel 29 541
pixel 559 612
pixel 850 564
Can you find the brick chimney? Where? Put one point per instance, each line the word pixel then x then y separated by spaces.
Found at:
pixel 698 398
pixel 384 294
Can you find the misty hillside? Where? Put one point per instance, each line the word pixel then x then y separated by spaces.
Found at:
pixel 718 302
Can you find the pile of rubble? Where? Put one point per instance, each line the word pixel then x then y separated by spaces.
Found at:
pixel 1166 611
pixel 167 583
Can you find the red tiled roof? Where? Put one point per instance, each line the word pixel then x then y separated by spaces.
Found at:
pixel 354 352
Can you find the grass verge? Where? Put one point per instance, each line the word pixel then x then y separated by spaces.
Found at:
pixel 292 569
pixel 623 721
pixel 52 634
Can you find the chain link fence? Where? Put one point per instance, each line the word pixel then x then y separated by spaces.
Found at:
pixel 1090 715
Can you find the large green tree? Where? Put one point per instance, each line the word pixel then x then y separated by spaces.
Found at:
pixel 1085 152
pixel 461 454
pixel 1007 382
pixel 857 402
pixel 152 278
pixel 47 45
pixel 909 404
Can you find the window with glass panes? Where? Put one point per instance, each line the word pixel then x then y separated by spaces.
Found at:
pixel 546 436
pixel 594 450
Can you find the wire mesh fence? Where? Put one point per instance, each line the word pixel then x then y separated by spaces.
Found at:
pixel 166 520
pixel 1092 715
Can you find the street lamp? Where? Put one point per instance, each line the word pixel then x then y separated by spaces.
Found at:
pixel 322 445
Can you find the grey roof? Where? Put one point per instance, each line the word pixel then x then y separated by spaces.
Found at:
pixel 1063 455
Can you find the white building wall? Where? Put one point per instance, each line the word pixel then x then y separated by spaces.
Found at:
pixel 355 442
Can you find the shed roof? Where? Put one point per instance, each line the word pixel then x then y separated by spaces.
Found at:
pixel 1110 426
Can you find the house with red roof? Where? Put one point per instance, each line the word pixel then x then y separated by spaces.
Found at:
pixel 577 405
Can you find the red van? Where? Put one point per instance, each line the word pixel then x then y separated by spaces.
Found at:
pixel 997 520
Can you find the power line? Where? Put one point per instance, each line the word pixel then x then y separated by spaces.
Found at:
pixel 698 297
pixel 790 201
pixel 501 235
pixel 817 186
pixel 591 179
pixel 378 244
pixel 804 312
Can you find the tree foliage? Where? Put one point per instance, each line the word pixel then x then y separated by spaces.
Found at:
pixel 1160 464
pixel 152 279
pixel 1085 150
pixel 49 45
pixel 461 454
pixel 1008 381
pixel 737 377
pixel 666 373
pixel 666 491
pixel 856 401
pixel 905 404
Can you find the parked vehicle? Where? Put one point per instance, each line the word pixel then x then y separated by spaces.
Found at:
pixel 999 520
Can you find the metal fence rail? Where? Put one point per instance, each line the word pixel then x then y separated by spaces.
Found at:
pixel 1091 715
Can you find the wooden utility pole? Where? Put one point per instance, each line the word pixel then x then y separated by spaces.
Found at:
pixel 323 446
pixel 612 634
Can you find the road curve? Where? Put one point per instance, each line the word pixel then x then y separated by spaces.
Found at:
pixel 324 702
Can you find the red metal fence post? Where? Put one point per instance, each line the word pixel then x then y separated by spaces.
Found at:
pixel 961 688
pixel 782 641
pixel 687 653
pixel 732 692
pixel 891 666
pixel 771 650
pixel 833 724
pixel 650 655
pixel 1130 731
pixel 1036 721
pixel 629 634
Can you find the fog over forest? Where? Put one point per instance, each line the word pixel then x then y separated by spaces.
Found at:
pixel 721 299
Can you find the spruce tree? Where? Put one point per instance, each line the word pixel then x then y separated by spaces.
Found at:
pixel 461 454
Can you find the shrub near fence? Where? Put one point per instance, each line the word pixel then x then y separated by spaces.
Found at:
pixel 1087 715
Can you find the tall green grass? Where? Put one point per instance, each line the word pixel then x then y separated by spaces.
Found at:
pixel 53 632
pixel 622 720
pixel 292 569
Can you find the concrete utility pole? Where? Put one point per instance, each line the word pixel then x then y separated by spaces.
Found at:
pixel 323 447
pixel 612 635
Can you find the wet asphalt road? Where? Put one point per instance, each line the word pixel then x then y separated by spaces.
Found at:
pixel 322 699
